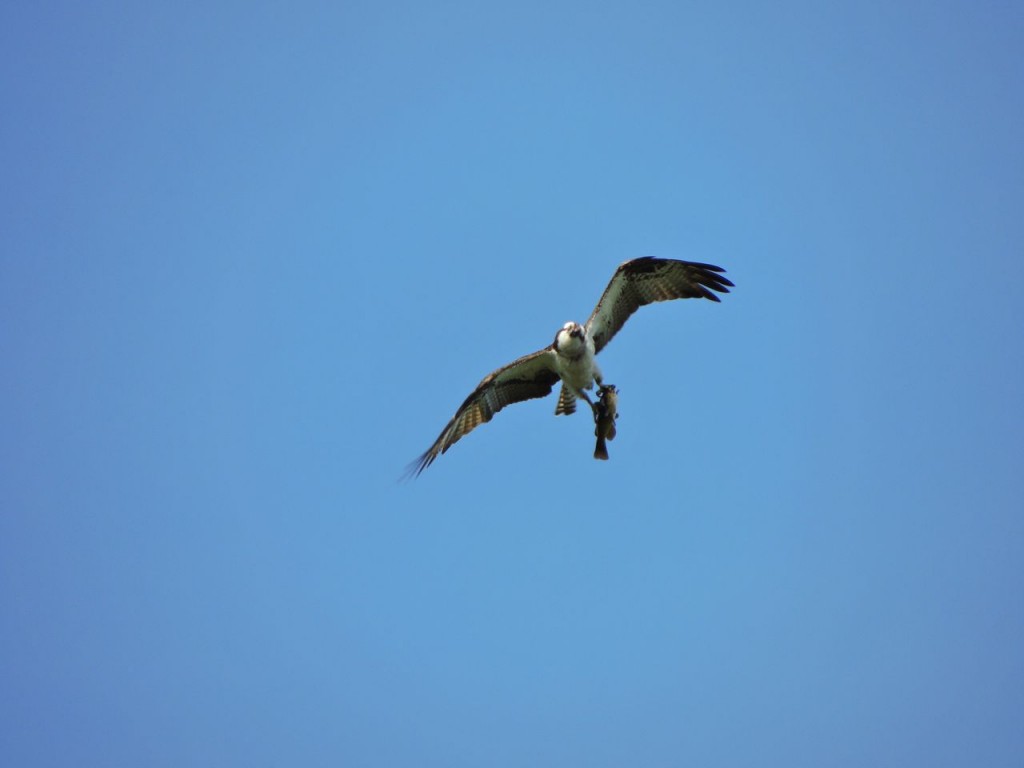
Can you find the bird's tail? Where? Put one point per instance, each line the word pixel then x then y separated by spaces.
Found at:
pixel 566 402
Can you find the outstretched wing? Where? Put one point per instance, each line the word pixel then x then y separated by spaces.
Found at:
pixel 523 379
pixel 646 280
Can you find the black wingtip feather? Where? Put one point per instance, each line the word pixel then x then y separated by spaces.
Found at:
pixel 711 280
pixel 415 468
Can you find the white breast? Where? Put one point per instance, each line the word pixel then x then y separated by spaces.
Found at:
pixel 575 363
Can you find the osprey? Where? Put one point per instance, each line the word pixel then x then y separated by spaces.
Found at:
pixel 570 357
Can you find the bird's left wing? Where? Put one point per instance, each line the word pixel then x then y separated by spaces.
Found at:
pixel 528 377
pixel 646 280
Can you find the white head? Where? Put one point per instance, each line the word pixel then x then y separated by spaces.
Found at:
pixel 571 338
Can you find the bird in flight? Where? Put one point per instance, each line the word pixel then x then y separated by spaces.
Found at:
pixel 570 357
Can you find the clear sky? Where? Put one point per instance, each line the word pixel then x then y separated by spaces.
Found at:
pixel 254 255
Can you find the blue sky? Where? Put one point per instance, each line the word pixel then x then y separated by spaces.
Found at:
pixel 254 256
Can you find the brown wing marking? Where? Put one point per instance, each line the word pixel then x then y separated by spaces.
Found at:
pixel 528 377
pixel 647 280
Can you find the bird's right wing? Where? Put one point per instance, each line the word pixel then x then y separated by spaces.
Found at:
pixel 528 377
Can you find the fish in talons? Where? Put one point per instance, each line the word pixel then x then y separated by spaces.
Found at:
pixel 606 411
